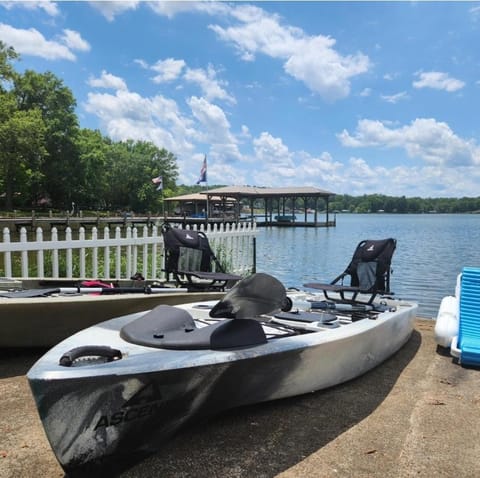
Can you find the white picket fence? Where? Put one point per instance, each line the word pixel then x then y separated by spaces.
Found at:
pixel 116 256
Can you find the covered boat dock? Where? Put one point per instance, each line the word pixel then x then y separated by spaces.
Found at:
pixel 288 206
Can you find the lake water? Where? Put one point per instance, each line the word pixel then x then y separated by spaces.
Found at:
pixel 431 251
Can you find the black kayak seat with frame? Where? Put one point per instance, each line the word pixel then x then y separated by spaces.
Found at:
pixel 369 272
pixel 191 261
pixel 168 327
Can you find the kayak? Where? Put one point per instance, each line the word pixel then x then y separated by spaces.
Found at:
pixel 53 314
pixel 133 381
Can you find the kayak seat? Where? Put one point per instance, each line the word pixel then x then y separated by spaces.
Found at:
pixel 170 327
pixel 191 261
pixel 369 272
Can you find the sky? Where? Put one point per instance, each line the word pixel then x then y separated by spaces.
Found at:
pixel 351 97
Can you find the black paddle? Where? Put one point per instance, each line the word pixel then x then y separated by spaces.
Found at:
pixel 30 293
pixel 253 296
pixel 357 307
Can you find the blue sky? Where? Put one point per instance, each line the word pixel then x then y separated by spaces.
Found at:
pixel 352 97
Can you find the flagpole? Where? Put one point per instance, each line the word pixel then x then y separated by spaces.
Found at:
pixel 163 205
pixel 206 190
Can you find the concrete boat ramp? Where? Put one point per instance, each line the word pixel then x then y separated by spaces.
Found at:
pixel 418 414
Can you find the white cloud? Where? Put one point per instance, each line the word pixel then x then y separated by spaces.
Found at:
pixel 270 150
pixel 32 42
pixel 47 6
pixel 215 129
pixel 169 8
pixel 310 59
pixel 475 12
pixel 168 70
pixel 395 98
pixel 74 41
pixel 171 69
pixel 111 9
pixel 358 177
pixel 107 80
pixel 389 76
pixel 210 86
pixel 424 138
pixel 438 81
pixel 142 63
pixel 157 119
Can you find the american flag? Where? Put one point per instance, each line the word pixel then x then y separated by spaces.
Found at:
pixel 159 182
pixel 203 172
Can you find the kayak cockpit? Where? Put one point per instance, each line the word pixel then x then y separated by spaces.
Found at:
pixel 169 327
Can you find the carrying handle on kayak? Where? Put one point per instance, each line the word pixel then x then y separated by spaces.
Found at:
pixel 103 351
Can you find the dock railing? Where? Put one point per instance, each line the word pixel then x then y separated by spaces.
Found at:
pixel 117 254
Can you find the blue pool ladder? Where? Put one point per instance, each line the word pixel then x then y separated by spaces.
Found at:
pixel 467 343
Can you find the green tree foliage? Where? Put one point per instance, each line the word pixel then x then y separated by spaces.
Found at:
pixel 7 72
pixel 132 166
pixel 56 103
pixel 93 169
pixel 22 136
pixel 46 156
pixel 374 203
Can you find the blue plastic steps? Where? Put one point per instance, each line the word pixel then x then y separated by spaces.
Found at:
pixel 469 324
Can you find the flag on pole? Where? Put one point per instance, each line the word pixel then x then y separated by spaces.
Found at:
pixel 203 172
pixel 159 182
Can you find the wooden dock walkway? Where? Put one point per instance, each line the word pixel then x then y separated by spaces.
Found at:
pixel 75 222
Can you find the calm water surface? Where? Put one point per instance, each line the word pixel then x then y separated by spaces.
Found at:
pixel 431 250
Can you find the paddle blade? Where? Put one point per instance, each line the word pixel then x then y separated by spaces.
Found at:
pixel 255 295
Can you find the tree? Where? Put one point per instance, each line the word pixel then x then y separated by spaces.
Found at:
pixel 93 174
pixel 22 134
pixel 132 165
pixel 7 73
pixel 56 103
pixel 22 151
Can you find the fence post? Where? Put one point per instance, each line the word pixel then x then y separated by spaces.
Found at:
pixel 118 255
pixel 24 260
pixel 95 254
pixel 106 254
pixel 145 253
pixel 40 266
pixel 81 237
pixel 68 239
pixel 54 254
pixel 8 255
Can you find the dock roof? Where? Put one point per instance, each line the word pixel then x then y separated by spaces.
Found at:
pixel 262 192
pixel 198 197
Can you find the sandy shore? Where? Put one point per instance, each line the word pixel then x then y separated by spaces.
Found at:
pixel 418 414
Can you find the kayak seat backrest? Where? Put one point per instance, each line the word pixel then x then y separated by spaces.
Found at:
pixel 369 271
pixel 170 327
pixel 191 261
pixel 469 317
